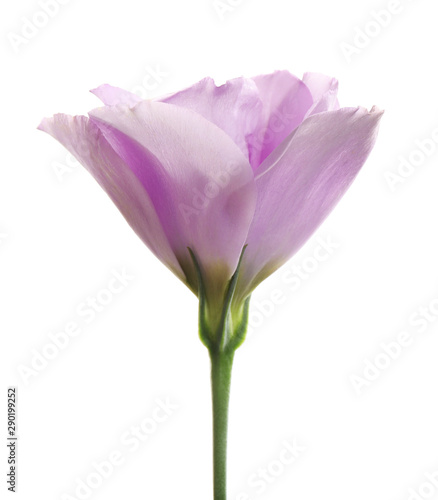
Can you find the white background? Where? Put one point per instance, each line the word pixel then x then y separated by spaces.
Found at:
pixel 61 238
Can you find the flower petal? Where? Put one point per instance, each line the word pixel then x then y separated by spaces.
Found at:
pixel 286 100
pixel 300 183
pixel 199 181
pixel 111 96
pixel 234 107
pixel 85 141
pixel 324 90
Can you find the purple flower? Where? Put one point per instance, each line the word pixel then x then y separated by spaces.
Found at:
pixel 257 163
pixel 223 184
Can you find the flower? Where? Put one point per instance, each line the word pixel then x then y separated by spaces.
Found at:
pixel 223 184
pixel 219 179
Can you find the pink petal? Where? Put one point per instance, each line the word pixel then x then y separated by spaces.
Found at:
pixel 111 96
pixel 85 141
pixel 324 90
pixel 234 107
pixel 199 181
pixel 286 100
pixel 300 183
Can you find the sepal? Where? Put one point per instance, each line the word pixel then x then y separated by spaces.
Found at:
pixel 228 332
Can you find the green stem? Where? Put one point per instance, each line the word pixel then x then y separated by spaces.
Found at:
pixel 221 365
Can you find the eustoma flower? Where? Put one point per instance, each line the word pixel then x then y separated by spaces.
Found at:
pixel 223 184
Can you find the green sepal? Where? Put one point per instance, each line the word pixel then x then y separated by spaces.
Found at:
pixel 239 334
pixel 230 333
pixel 203 330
